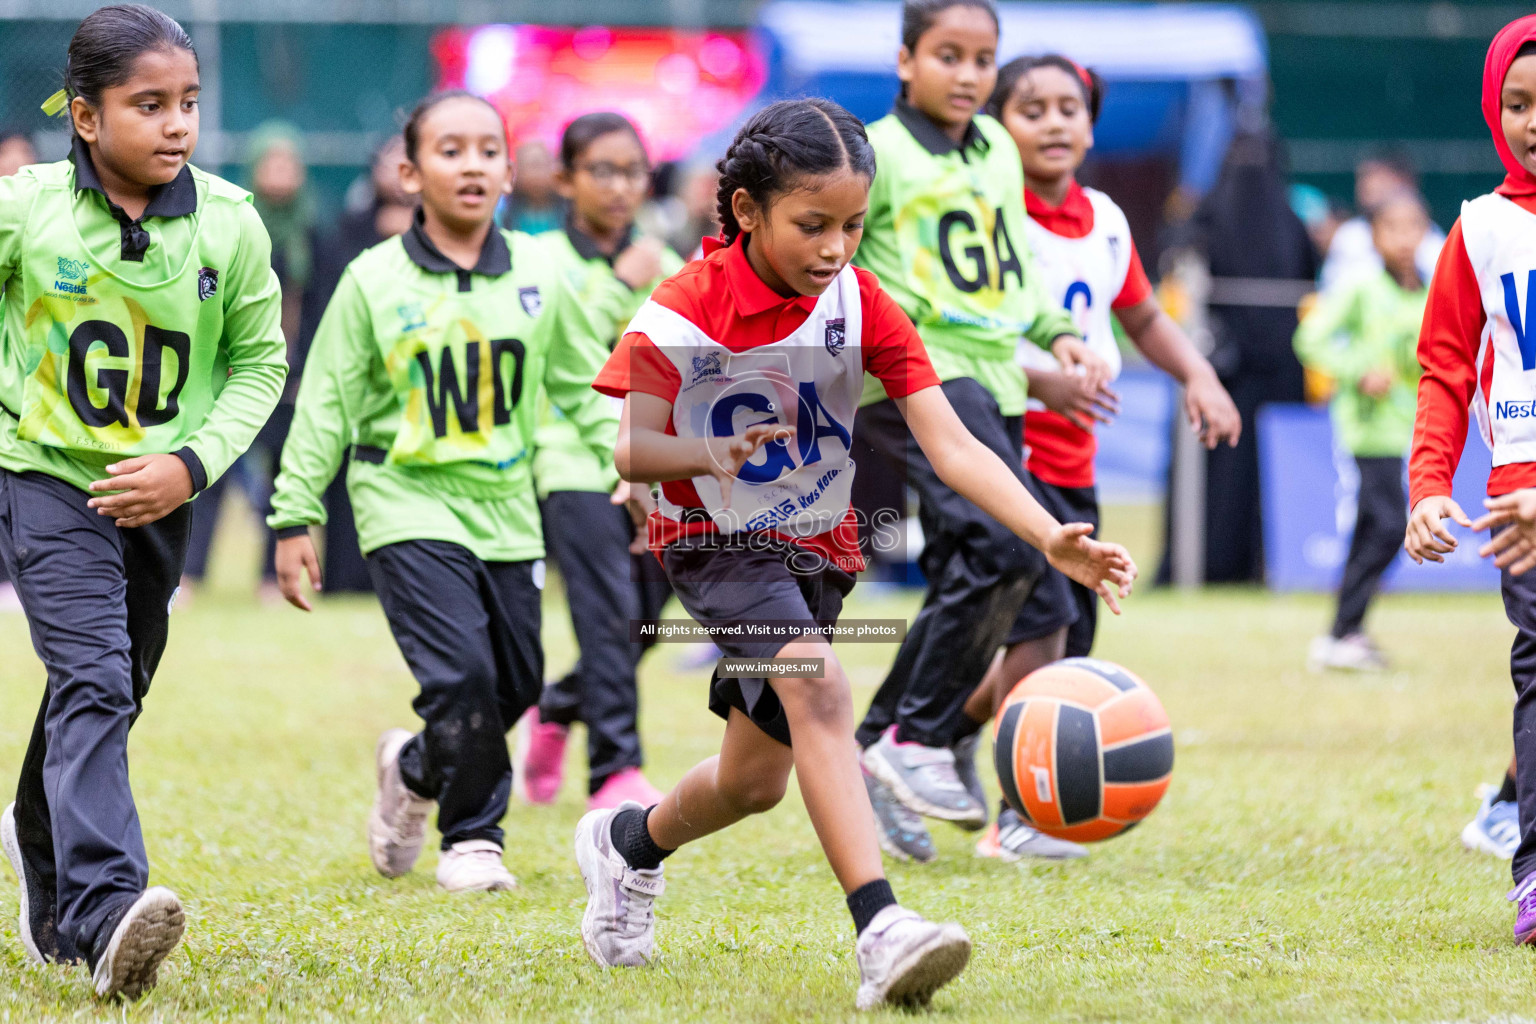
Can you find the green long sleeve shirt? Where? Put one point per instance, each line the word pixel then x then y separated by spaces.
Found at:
pixel 122 337
pixel 1368 324
pixel 561 462
pixel 435 373
pixel 945 234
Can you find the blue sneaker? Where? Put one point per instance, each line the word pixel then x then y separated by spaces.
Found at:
pixel 1496 829
pixel 901 832
pixel 1523 896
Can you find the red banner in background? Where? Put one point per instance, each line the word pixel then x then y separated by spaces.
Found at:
pixel 678 87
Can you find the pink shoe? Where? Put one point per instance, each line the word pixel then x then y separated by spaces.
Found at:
pixel 622 785
pixel 544 763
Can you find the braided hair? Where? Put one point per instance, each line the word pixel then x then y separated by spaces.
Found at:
pixel 1010 74
pixel 784 142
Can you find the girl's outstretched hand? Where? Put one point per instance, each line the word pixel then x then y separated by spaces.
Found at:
pixel 1072 396
pixel 728 454
pixel 1106 569
pixel 1427 536
pixel 1212 413
pixel 296 556
pixel 1514 548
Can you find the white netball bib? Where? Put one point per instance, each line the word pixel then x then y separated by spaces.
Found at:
pixel 810 381
pixel 1084 275
pixel 1501 245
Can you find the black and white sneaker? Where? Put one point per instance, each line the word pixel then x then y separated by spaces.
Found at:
pixel 143 938
pixel 38 921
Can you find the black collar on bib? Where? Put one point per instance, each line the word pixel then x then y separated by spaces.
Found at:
pixel 586 246
pixel 932 138
pixel 495 258
pixel 176 198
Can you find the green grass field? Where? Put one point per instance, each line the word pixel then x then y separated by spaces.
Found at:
pixel 1304 866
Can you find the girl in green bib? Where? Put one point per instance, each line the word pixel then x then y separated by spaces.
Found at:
pixel 946 235
pixel 604 176
pixel 430 364
pixel 140 352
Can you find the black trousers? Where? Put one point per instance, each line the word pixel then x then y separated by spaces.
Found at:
pixel 469 630
pixel 97 600
pixel 1520 606
pixel 1044 612
pixel 979 575
pixel 1380 524
pixel 607 588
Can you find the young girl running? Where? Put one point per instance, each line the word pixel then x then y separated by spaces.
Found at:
pixel 430 362
pixel 741 377
pixel 604 175
pixel 1376 370
pixel 139 355
pixel 1476 350
pixel 946 236
pixel 1088 260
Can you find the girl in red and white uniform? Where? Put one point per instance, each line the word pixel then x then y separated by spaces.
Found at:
pixel 1083 248
pixel 741 377
pixel 1478 351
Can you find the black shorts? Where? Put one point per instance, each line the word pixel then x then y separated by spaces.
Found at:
pixel 1057 602
pixel 723 582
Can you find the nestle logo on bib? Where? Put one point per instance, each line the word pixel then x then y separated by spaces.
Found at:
pixel 1521 410
pixel 707 365
pixel 72 275
pixel 837 335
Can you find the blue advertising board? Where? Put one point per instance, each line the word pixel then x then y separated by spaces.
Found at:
pixel 1308 486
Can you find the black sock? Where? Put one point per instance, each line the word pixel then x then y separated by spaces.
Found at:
pixel 868 900
pixel 632 838
pixel 1506 791
pixel 968 727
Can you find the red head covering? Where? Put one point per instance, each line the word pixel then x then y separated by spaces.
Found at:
pixel 1501 54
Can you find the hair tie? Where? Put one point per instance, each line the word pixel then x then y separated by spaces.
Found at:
pixel 1082 73
pixel 56 103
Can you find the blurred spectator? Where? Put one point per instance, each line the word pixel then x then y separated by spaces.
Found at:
pixel 279 184
pixel 16 151
pixel 701 218
pixel 379 208
pixel 1321 215
pixel 1261 262
pixel 536 207
pixel 1351 253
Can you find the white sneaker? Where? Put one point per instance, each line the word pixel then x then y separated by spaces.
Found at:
pixel 140 943
pixel 397 826
pixel 25 896
pixel 1353 653
pixel 904 960
pixel 619 926
pixel 474 866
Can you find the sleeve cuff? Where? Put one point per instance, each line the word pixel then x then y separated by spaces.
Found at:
pixel 194 468
pixel 287 532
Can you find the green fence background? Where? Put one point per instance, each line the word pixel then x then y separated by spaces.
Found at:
pixel 1349 77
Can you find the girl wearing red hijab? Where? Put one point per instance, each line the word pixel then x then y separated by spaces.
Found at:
pixel 1478 350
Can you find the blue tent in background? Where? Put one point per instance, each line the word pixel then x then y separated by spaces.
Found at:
pixel 1177 73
